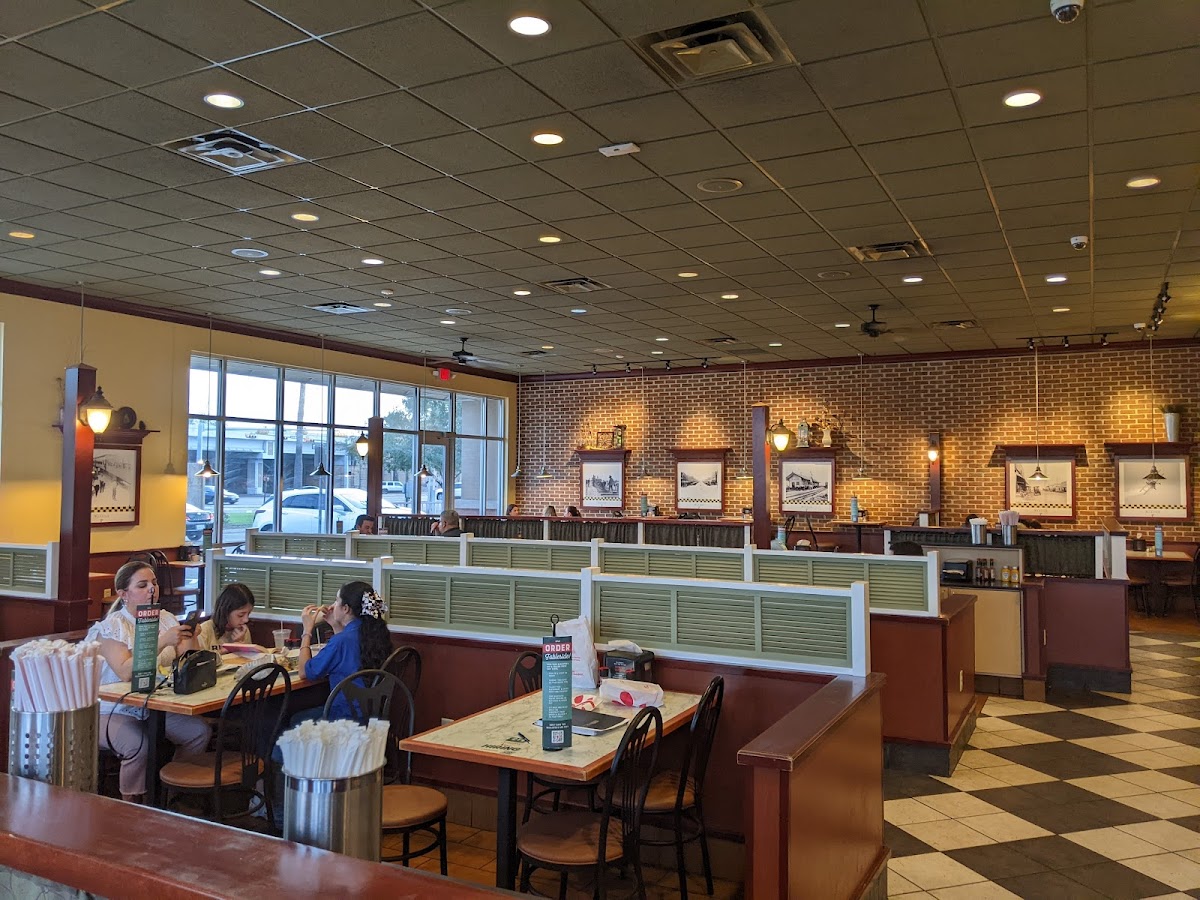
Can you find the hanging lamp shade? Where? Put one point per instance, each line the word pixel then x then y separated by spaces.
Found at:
pixel 207 471
pixel 363 445
pixel 781 436
pixel 1153 476
pixel 544 473
pixel 861 474
pixel 517 472
pixel 424 472
pixel 320 471
pixel 96 412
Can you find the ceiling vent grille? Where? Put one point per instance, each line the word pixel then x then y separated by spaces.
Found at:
pixel 233 151
pixel 574 285
pixel 963 324
pixel 723 339
pixel 717 48
pixel 890 250
pixel 339 309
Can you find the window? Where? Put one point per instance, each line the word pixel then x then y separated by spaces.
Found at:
pixel 267 430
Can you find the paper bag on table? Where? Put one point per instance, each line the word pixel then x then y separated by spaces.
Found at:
pixel 636 694
pixel 585 671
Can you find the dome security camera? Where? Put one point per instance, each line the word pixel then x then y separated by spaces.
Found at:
pixel 1066 11
pixel 1080 242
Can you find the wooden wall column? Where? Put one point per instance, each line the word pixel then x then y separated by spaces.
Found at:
pixel 760 529
pixel 75 524
pixel 374 463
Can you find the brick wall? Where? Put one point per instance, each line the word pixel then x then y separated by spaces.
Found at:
pixel 1087 398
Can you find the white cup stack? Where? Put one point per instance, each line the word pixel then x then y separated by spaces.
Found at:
pixel 56 676
pixel 337 749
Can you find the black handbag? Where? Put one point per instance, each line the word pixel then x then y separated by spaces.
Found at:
pixel 195 671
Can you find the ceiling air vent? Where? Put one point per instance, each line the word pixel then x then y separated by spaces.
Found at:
pixel 890 250
pixel 715 48
pixel 339 309
pixel 574 285
pixel 534 353
pixel 963 324
pixel 724 339
pixel 233 151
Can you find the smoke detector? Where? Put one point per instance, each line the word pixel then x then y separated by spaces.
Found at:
pixel 716 48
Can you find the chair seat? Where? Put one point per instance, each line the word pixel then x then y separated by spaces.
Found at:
pixel 406 805
pixel 200 771
pixel 569 839
pixel 664 788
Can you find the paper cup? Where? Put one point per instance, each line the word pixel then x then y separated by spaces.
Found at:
pixel 281 636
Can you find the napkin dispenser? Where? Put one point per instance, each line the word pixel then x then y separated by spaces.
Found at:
pixel 635 666
pixel 195 671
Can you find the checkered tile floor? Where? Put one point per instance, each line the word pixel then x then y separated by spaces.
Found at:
pixel 1085 796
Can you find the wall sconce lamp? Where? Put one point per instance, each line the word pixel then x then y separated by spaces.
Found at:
pixel 362 446
pixel 96 412
pixel 935 447
pixel 781 436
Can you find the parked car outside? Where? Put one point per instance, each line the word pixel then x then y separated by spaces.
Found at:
pixel 301 510
pixel 196 520
pixel 210 493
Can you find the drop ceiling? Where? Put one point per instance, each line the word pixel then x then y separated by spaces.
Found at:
pixel 884 123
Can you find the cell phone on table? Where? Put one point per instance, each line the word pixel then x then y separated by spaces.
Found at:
pixel 192 620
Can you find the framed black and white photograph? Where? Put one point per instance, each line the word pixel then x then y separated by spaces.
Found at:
pixel 700 484
pixel 1049 498
pixel 602 484
pixel 116 485
pixel 1152 499
pixel 806 485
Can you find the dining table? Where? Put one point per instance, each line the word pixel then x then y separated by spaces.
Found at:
pixel 1156 567
pixel 504 736
pixel 164 700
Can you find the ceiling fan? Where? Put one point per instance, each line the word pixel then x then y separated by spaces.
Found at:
pixel 874 328
pixel 464 357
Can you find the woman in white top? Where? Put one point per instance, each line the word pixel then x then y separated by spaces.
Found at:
pixel 122 728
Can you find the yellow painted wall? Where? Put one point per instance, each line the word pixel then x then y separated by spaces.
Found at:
pixel 142 363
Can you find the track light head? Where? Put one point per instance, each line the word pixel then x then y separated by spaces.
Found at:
pixel 1066 341
pixel 668 365
pixel 1029 343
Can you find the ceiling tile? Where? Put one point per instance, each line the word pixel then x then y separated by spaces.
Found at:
pixel 900 118
pixel 673 216
pixel 634 195
pixel 440 193
pixel 67 135
pixel 432 50
pixel 188 92
pixel 645 118
pixel 306 180
pixel 1129 29
pixel 237 193
pixel 593 76
pixel 512 182
pixel 1035 135
pixel 379 168
pixel 247 29
pixel 1045 45
pixel 40 79
pixel 787 137
pixel 310 135
pixel 518 137
pixel 1062 91
pixel 918 153
pixel 421 226
pixel 488 98
pixel 115 50
pixel 632 19
pixel 689 154
pixel 817 168
pixel 166 168
pixel 456 154
pixel 13 108
pixel 847 27
pixel 878 75
pixel 594 170
pixel 759 97
pixel 393 118
pixel 368 205
pixel 100 181
pixel 136 116
pixel 64 223
pixel 311 74
pixel 43 193
pixel 553 207
pixel 1143 78
pixel 839 193
pixel 486 22
pixel 323 17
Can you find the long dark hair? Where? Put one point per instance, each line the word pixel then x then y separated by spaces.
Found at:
pixel 374 640
pixel 234 597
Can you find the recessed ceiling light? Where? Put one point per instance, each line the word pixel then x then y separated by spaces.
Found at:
pixel 447 322
pixel 305 217
pixel 387 292
pixel 1061 309
pixel 833 274
pixel 662 340
pixel 547 138
pixel 530 26
pixel 269 272
pixel 729 296
pixel 547 346
pixel 775 344
pixel 620 356
pixel 578 311
pixel 841 324
pixel 22 235
pixel 1055 279
pixel 224 101
pixel 1023 97
pixel 912 279
pixel 521 293
pixel 1143 181
pixel 719 185
pixel 249 253
pixel 456 311
pixel 549 239
pixel 383 305
pixel 372 261
pixel 688 274
pixel 656 352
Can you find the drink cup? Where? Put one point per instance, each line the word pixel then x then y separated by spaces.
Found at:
pixel 281 636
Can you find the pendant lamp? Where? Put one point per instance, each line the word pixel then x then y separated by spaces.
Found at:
pixel 95 412
pixel 516 472
pixel 1038 474
pixel 206 469
pixel 424 471
pixel 1153 476
pixel 362 446
pixel 320 471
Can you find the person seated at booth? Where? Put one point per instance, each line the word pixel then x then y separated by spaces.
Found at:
pixel 449 524
pixel 230 622
pixel 365 524
pixel 512 510
pixel 123 728
pixel 573 512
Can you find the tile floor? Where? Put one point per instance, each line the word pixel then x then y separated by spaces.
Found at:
pixel 1085 797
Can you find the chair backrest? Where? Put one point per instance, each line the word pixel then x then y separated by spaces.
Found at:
pixel 629 777
pixel 528 670
pixel 257 723
pixel 700 738
pixel 157 560
pixel 405 664
pixel 378 694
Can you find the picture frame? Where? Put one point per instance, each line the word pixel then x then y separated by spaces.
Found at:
pixel 1140 501
pixel 1053 498
pixel 116 485
pixel 700 484
pixel 807 484
pixel 602 480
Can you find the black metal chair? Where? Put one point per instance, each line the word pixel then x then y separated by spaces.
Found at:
pixel 527 672
pixel 408 809
pixel 250 723
pixel 569 841
pixel 675 798
pixel 405 664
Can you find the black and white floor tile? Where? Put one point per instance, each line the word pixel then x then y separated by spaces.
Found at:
pixel 1088 796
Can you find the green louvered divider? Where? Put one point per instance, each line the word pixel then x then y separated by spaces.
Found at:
pixel 535 600
pixel 720 566
pixel 332 579
pixel 430 552
pixel 624 561
pixel 292 589
pixel 754 622
pixel 252 573
pixel 23 569
pixel 416 598
pixel 268 543
pixel 500 604
pixel 287 586
pixel 783 569
pixel 838 572
pixel 480 603
pixel 367 549
pixel 310 545
pixel 570 559
pixel 499 556
pixel 898 585
pixel 663 562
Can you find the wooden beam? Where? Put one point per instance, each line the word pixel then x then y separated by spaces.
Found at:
pixel 75 522
pixel 761 531
pixel 374 463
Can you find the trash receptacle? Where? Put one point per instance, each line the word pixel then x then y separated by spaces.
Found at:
pixel 344 815
pixel 58 748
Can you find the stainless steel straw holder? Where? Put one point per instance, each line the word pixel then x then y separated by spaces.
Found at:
pixel 58 748
pixel 344 815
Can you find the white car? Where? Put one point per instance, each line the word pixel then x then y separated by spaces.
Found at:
pixel 302 510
